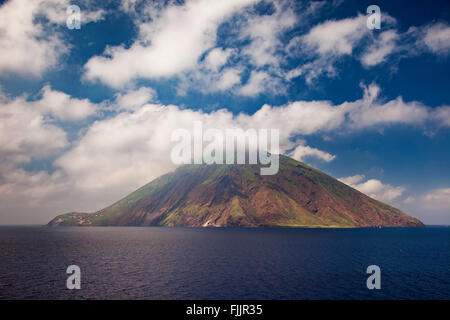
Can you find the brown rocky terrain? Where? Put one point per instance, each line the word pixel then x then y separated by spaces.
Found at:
pixel 237 195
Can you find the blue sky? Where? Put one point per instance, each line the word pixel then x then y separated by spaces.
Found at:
pixel 85 115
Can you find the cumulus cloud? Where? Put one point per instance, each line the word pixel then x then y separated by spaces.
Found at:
pixel 172 42
pixel 228 78
pixel 441 196
pixel 212 74
pixel 261 55
pixel 325 44
pixel 257 44
pixel 329 42
pixel 24 45
pixel 217 57
pixel 337 37
pixel 431 206
pixel 302 151
pixel 436 199
pixel 133 99
pixel 264 32
pixel 442 115
pixel 191 28
pixel 64 107
pixel 394 111
pixel 28 132
pixel 30 44
pixel 384 45
pixel 261 81
pixel 436 38
pixel 25 133
pixel 352 180
pixel 374 188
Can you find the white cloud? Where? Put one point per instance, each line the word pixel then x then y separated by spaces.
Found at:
pixel 26 133
pixel 128 5
pixel 171 43
pixel 324 44
pixel 191 29
pixel 437 38
pixel 330 41
pixel 260 81
pixel 374 188
pixel 369 112
pixel 29 44
pixel 264 32
pixel 262 56
pixel 25 47
pixel 409 200
pixel 217 57
pixel 384 45
pixel 394 111
pixel 436 199
pixel 301 152
pixel 431 206
pixel 206 80
pixel 352 180
pixel 336 37
pixel 211 74
pixel 265 54
pixel 313 70
pixel 173 40
pixel 134 99
pixel 55 11
pixel 64 107
pixel 442 115
pixel 228 78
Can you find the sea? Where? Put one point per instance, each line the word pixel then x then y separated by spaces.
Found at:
pixel 224 263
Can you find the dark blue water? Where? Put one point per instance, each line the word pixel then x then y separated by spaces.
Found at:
pixel 185 263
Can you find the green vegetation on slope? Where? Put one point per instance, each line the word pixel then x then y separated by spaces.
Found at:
pixel 237 195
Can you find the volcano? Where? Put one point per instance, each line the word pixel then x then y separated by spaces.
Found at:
pixel 238 196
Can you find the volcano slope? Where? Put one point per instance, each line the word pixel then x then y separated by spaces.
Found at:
pixel 237 195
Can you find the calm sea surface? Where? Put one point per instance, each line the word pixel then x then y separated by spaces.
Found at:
pixel 191 263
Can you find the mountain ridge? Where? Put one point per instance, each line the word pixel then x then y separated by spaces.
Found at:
pixel 237 195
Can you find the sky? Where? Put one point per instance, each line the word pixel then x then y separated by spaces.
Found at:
pixel 86 114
